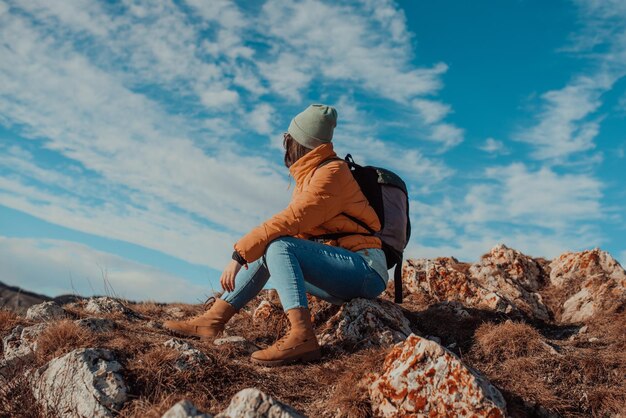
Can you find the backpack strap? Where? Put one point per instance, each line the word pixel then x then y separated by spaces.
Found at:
pixel 397 282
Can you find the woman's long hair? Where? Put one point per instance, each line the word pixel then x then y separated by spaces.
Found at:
pixel 293 150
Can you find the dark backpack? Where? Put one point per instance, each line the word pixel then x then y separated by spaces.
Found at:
pixel 388 195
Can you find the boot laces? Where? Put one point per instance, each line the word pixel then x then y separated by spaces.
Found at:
pixel 282 340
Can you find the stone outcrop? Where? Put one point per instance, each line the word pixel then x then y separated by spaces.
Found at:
pixel 47 311
pixel 21 343
pixel 189 356
pixel 83 383
pixel 106 305
pixel 365 322
pixel 503 264
pixel 592 281
pixel 446 280
pixel 185 409
pixel 503 280
pixel 421 378
pixel 515 276
pixel 252 403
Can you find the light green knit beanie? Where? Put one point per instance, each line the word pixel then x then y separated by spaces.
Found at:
pixel 314 126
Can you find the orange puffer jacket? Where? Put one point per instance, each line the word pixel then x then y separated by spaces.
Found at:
pixel 317 205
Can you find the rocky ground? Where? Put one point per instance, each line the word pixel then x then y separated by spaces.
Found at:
pixel 509 335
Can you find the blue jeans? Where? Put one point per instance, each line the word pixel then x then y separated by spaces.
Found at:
pixel 298 267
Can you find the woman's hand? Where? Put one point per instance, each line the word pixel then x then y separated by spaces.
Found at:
pixel 228 276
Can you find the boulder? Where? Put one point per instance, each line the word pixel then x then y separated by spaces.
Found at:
pixel 96 324
pixel 47 311
pixel 365 322
pixel 591 281
pixel 504 280
pixel 21 343
pixel 445 280
pixel 189 356
pixel 513 275
pixel 106 305
pixel 83 383
pixel 504 263
pixel 185 409
pixel 238 342
pixel 252 403
pixel 422 378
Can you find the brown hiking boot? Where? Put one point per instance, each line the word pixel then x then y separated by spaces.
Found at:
pixel 299 344
pixel 208 325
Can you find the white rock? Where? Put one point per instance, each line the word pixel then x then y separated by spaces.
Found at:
pixel 185 409
pixel 444 279
pixel 513 275
pixel 21 343
pixel 106 305
pixel 252 403
pixel 46 311
pixel 594 280
pixel 189 357
pixel 421 378
pixel 237 341
pixel 83 383
pixel 366 322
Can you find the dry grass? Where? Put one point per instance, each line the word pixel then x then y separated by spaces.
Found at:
pixel 578 380
pixel 8 321
pixel 349 397
pixel 60 338
pixel 16 396
pixel 582 379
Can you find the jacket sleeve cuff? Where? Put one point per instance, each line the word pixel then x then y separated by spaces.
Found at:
pixel 238 258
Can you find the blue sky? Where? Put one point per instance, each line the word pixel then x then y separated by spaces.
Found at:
pixel 140 139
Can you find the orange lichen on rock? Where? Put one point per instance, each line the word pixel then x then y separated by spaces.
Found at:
pixel 421 377
pixel 589 281
pixel 503 280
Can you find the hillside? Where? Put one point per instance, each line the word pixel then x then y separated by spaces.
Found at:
pixel 18 300
pixel 508 335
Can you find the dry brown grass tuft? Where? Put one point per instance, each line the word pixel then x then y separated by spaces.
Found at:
pixel 60 338
pixel 578 380
pixel 8 321
pixel 508 340
pixel 16 396
pixel 349 397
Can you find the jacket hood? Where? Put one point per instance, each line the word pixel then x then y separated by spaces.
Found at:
pixel 310 161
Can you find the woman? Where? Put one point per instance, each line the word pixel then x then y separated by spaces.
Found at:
pixel 325 201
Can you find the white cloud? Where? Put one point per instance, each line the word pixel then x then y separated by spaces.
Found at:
pixel 431 110
pixel 563 127
pixel 341 42
pixel 569 119
pixel 261 118
pixel 129 146
pixel 55 267
pixel 622 258
pixel 539 212
pixel 215 98
pixel 540 198
pixel 493 146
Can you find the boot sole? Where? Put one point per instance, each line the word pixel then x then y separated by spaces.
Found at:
pixel 304 358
